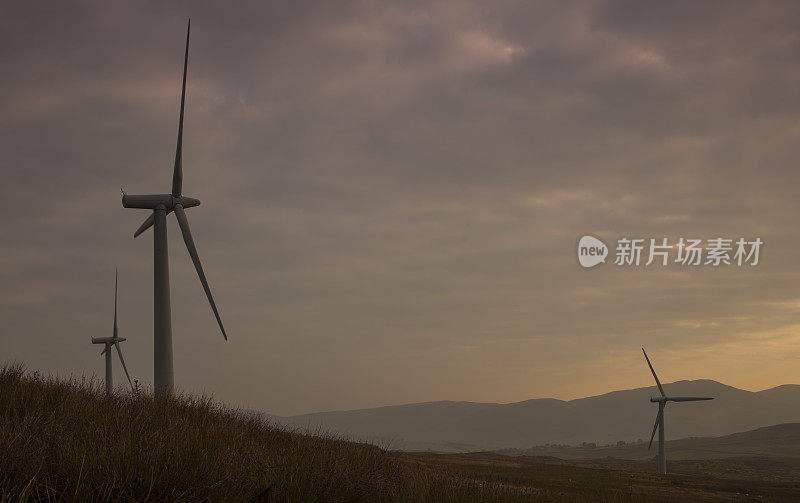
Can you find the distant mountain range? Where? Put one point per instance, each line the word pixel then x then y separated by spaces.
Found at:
pixel 605 419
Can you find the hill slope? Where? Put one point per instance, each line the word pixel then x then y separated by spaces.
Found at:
pixel 620 415
pixel 66 441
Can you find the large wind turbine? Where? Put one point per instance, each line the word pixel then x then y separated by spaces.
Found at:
pixel 662 402
pixel 162 205
pixel 114 340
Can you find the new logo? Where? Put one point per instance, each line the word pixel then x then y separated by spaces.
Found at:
pixel 591 251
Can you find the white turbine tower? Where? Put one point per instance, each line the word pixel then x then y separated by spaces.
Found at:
pixel 114 340
pixel 662 402
pixel 162 205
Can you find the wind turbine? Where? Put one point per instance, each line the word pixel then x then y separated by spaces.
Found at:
pixel 114 340
pixel 662 402
pixel 162 205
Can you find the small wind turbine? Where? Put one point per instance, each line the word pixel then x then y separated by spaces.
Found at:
pixel 114 340
pixel 662 402
pixel 161 206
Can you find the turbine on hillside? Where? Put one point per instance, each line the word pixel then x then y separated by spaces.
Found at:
pixel 662 402
pixel 162 205
pixel 114 340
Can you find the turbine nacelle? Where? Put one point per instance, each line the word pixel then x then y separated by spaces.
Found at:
pixel 158 201
pixel 107 340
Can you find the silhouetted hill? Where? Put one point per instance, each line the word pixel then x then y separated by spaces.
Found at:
pixel 605 419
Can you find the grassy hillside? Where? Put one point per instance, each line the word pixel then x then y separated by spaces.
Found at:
pixel 66 441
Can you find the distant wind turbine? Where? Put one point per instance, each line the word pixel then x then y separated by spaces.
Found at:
pixel 662 402
pixel 162 205
pixel 114 340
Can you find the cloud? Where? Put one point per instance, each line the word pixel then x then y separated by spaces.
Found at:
pixel 396 188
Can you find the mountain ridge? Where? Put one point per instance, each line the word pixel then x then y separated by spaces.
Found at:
pixel 624 415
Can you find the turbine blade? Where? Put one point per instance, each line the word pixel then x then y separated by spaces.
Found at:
pixel 103 351
pixel 119 352
pixel 187 238
pixel 654 373
pixel 177 175
pixel 145 225
pixel 655 427
pixel 689 398
pixel 116 282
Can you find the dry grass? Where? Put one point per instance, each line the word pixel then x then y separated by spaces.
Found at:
pixel 67 441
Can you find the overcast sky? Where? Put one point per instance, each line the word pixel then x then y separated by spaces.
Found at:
pixel 392 193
